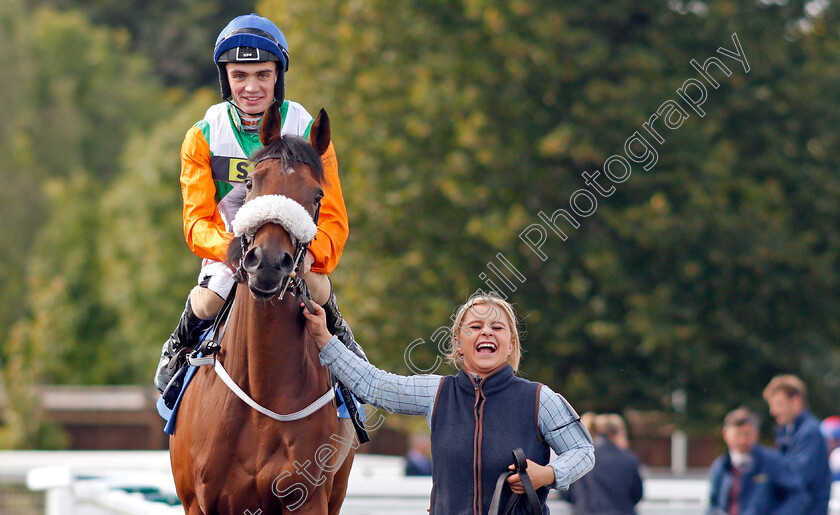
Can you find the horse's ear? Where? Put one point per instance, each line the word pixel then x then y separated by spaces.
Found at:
pixel 319 133
pixel 271 125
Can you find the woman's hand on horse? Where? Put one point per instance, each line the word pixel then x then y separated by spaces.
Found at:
pixel 541 475
pixel 316 324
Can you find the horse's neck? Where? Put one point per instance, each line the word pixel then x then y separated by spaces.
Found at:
pixel 267 347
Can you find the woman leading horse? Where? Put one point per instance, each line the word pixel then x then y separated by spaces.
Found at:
pixel 235 453
pixel 478 416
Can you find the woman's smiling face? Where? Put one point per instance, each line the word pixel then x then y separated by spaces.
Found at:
pixel 485 339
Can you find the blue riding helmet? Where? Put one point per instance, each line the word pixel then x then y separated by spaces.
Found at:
pixel 251 38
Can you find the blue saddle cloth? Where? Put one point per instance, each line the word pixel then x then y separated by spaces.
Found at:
pixel 169 415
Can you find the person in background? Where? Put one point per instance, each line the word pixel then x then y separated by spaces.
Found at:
pixel 588 421
pixel 614 486
pixel 799 440
pixel 830 429
pixel 418 458
pixel 750 479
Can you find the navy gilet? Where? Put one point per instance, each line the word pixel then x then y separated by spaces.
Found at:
pixel 475 426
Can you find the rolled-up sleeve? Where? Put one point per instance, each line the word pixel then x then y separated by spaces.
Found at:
pixel 409 395
pixel 562 430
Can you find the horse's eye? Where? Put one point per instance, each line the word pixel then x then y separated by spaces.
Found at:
pixel 249 184
pixel 317 199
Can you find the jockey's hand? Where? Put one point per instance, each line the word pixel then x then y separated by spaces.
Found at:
pixel 316 324
pixel 308 261
pixel 541 475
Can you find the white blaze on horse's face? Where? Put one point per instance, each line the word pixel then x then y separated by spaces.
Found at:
pixel 252 85
pixel 485 338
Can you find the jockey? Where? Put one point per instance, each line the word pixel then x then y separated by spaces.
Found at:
pixel 252 57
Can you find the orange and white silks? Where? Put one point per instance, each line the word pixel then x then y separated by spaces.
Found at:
pixel 210 203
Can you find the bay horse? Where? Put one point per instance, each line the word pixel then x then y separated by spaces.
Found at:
pixel 227 457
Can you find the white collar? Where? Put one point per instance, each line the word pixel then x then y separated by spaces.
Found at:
pixel 740 459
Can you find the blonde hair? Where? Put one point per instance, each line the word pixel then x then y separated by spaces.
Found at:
pixel 588 420
pixel 495 304
pixel 610 424
pixel 791 385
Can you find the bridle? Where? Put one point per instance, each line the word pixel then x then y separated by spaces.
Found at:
pixel 301 229
pixel 302 233
pixel 254 214
pixel 294 279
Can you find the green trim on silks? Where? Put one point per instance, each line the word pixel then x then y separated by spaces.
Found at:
pixel 249 142
pixel 222 189
pixel 284 110
pixel 204 125
pixel 308 129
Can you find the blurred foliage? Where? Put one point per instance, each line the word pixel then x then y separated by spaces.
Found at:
pixel 455 124
pixel 73 102
pixel 177 36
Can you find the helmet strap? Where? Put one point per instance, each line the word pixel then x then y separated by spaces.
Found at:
pixel 224 84
pixel 280 87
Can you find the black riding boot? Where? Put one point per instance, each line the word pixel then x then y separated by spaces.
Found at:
pixel 186 335
pixel 338 326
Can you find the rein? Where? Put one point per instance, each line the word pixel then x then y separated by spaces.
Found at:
pixel 532 501
pixel 277 207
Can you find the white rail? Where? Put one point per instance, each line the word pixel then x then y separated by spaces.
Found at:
pixel 102 483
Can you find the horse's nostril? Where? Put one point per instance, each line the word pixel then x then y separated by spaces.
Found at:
pixel 287 262
pixel 256 259
pixel 253 258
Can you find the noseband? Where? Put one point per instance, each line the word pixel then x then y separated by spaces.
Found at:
pixel 302 229
pixel 289 214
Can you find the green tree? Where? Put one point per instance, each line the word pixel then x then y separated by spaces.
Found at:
pixel 177 36
pixel 18 169
pixel 73 97
pixel 77 95
pixel 456 123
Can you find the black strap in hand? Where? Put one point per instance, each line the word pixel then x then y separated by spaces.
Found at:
pixel 533 502
pixel 353 412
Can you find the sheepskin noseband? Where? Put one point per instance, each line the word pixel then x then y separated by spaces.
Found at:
pixel 276 209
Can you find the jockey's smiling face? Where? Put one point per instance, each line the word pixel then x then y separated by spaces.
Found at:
pixel 485 339
pixel 252 85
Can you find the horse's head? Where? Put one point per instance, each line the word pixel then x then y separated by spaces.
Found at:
pixel 279 217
